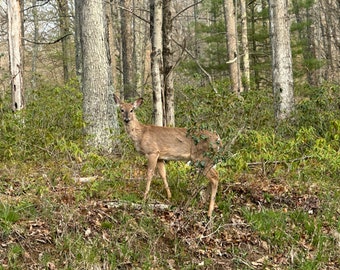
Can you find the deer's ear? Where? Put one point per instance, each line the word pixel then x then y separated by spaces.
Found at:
pixel 116 99
pixel 138 102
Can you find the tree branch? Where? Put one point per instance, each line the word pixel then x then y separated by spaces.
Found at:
pixel 275 162
pixel 38 5
pixel 49 43
pixel 134 14
pixel 179 13
pixel 199 65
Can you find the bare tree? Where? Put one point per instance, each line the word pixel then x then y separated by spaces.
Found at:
pixel 245 44
pixel 98 110
pixel 129 80
pixel 233 57
pixel 156 13
pixel 77 31
pixel 64 24
pixel 35 45
pixel 113 29
pixel 329 47
pixel 281 58
pixel 15 53
pixel 169 93
pixel 142 45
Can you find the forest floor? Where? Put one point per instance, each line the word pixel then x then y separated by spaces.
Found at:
pixel 49 220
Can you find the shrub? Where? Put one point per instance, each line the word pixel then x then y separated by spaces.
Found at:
pixel 51 121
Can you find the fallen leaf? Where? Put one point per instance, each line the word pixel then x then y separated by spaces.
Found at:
pixel 88 232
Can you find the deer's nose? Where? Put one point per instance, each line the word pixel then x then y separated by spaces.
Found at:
pixel 126 117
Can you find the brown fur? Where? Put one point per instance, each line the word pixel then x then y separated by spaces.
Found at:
pixel 169 143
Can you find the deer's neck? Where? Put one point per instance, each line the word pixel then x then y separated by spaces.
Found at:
pixel 135 130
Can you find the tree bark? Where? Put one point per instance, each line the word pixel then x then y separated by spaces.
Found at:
pixel 142 46
pixel 233 58
pixel 330 24
pixel 98 106
pixel 15 53
pixel 196 48
pixel 129 80
pixel 282 70
pixel 156 11
pixel 35 46
pixel 245 44
pixel 64 24
pixel 113 21
pixel 169 92
pixel 77 31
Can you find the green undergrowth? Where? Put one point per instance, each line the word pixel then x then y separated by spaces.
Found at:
pixel 277 204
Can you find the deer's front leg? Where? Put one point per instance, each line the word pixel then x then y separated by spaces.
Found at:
pixel 152 161
pixel 162 172
pixel 212 175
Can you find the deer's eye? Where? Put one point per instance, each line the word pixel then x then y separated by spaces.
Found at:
pixel 122 110
pixel 131 110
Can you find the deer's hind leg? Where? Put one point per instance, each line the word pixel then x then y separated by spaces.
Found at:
pixel 162 172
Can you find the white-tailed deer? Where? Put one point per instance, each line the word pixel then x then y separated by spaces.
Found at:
pixel 170 143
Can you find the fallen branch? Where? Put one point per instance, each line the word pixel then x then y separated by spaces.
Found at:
pixel 85 179
pixel 288 163
pixel 136 206
pixel 233 140
pixel 275 162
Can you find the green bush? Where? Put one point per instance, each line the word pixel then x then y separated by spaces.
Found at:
pixel 312 133
pixel 51 122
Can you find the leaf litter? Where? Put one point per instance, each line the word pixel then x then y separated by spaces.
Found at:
pixel 223 242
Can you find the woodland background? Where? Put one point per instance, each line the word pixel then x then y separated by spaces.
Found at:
pixel 69 202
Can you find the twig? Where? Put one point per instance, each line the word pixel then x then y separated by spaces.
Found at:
pixel 275 162
pixel 49 43
pixel 85 179
pixel 222 227
pixel 244 262
pixel 136 206
pixel 199 65
pixel 133 13
pixel 233 140
pixel 37 5
pixel 232 61
pixel 183 10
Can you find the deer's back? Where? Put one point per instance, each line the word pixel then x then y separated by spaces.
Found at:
pixel 177 143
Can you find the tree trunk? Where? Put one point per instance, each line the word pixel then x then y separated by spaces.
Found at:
pixel 113 21
pixel 245 44
pixel 169 93
pixel 64 24
pixel 15 53
pixel 302 12
pixel 254 45
pixel 98 106
pixel 77 31
pixel 129 80
pixel 35 46
pixel 281 59
pixel 330 24
pixel 141 46
pixel 196 49
pixel 156 11
pixel 233 58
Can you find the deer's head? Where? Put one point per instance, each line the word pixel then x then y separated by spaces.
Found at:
pixel 127 109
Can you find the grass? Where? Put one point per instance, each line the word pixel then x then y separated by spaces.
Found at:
pixel 277 203
pixel 50 220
